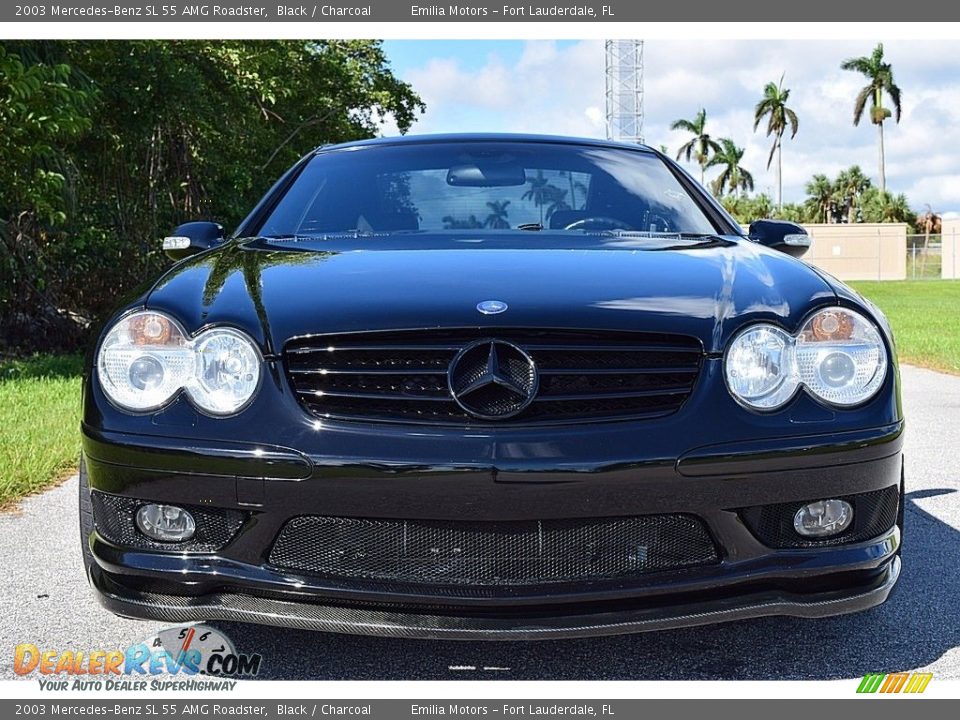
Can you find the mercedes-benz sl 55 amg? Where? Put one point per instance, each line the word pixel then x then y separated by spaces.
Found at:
pixel 504 387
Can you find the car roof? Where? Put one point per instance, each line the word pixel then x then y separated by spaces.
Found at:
pixel 484 137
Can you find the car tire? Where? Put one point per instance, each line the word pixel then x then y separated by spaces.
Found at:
pixel 86 519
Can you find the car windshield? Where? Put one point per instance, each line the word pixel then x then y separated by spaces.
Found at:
pixel 496 186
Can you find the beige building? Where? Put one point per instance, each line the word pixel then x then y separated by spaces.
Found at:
pixel 950 254
pixel 863 251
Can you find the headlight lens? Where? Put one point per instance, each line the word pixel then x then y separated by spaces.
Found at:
pixel 228 371
pixel 144 360
pixel 759 366
pixel 838 356
pixel 147 358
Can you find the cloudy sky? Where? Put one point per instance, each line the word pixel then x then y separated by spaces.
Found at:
pixel 558 88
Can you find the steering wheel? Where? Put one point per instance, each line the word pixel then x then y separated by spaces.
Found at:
pixel 592 223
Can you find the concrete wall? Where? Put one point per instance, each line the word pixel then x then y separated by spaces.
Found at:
pixel 863 251
pixel 950 253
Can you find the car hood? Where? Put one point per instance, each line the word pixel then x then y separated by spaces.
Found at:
pixel 280 289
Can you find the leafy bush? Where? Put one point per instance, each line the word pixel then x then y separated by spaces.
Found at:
pixel 112 144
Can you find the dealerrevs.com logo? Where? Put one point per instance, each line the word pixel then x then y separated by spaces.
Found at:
pixel 195 657
pixel 892 683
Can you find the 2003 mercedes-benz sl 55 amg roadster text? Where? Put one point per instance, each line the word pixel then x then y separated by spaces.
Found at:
pixel 491 386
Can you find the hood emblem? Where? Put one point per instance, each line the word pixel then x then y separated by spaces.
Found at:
pixel 491 307
pixel 493 379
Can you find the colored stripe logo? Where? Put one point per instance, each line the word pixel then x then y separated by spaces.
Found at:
pixel 913 683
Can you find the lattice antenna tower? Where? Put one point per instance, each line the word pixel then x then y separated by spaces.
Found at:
pixel 624 71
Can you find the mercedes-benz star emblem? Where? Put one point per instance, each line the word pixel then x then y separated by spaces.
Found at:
pixel 493 379
pixel 491 307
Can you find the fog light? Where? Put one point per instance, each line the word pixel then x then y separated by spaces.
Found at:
pixel 823 518
pixel 166 523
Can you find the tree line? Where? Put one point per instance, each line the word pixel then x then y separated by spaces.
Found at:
pixel 106 146
pixel 850 197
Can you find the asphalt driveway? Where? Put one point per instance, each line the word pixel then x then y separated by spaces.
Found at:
pixel 44 599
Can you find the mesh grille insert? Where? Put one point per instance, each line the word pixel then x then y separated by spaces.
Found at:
pixel 492 553
pixel 873 514
pixel 114 517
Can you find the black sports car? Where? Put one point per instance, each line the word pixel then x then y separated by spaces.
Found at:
pixel 491 387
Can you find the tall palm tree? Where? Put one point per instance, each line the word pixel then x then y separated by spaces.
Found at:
pixel 498 215
pixel 539 192
pixel 733 177
pixel 556 200
pixel 701 145
pixel 880 76
pixel 820 198
pixel 575 187
pixel 774 105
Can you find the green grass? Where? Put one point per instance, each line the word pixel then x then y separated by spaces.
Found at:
pixel 39 423
pixel 925 315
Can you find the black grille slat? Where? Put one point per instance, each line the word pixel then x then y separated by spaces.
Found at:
pixel 370 395
pixel 651 348
pixel 376 371
pixel 586 384
pixel 626 395
pixel 688 369
pixel 337 347
pixel 492 553
pixel 401 376
pixel 612 361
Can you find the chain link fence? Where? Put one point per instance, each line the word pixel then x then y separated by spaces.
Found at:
pixel 924 257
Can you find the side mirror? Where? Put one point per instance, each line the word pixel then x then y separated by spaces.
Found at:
pixel 191 238
pixel 780 235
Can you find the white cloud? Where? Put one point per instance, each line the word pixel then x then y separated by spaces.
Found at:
pixel 554 89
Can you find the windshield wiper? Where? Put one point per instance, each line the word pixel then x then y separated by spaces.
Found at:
pixel 665 234
pixel 530 226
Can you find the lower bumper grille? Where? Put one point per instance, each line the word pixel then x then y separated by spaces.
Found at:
pixel 114 517
pixel 873 514
pixel 492 553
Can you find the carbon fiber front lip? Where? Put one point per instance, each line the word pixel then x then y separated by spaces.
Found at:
pixel 245 608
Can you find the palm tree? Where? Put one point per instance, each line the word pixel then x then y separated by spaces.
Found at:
pixel 701 145
pixel 820 197
pixel 575 186
pixel 539 192
pixel 556 200
pixel 733 177
pixel 880 76
pixel 498 214
pixel 774 105
pixel 848 190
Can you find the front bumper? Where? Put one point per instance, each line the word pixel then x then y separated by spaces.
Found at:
pixel 271 485
pixel 239 607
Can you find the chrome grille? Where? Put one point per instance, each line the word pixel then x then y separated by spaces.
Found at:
pixel 584 376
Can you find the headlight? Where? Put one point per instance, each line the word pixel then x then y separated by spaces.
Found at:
pixel 147 358
pixel 759 367
pixel 838 356
pixel 228 371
